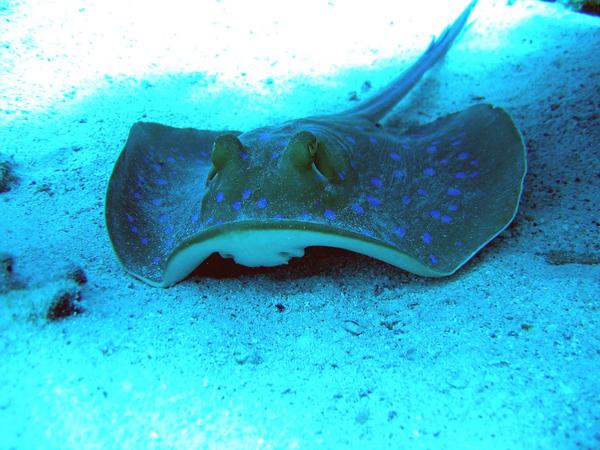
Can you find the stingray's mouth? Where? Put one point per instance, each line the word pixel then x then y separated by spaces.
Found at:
pixel 255 246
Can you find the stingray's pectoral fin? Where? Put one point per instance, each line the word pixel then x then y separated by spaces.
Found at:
pixel 462 188
pixel 155 191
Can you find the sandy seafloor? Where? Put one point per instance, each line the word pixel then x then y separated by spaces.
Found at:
pixel 505 354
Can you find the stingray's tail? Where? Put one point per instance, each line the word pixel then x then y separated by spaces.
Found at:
pixel 379 105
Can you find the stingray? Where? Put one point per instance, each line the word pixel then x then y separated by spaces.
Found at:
pixel 424 199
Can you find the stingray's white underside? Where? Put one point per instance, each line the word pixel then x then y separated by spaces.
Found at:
pixel 254 248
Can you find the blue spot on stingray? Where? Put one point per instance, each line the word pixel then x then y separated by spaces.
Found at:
pixel 446 219
pixel 161 181
pixel 432 149
pixel 373 201
pixel 265 136
pixel 163 218
pixel 456 143
pixel 156 166
pixel 353 163
pixel 195 218
pixel 261 203
pixel 209 221
pixel 459 243
pixel 275 154
pixel 341 175
pixel 400 231
pixel 426 237
pixel 278 216
pixel 204 153
pixel 367 232
pixel 329 214
pixel 144 241
pixel 351 139
pixel 169 229
pixel 129 218
pixel 156 259
pixel 171 159
pixel 244 155
pixel 452 207
pixel 433 259
pixel 429 171
pixel 474 174
pixel 219 197
pixel 405 199
pixel 358 209
pixel 460 175
pixel 137 195
pixel 453 191
pixel 398 174
pixel 376 182
pixel 246 194
pixel 435 214
pixel 463 155
pixel 156 201
pixel 373 140
pixel 199 162
pixel 443 162
pixel 395 156
pixel 422 192
pixel 218 222
pixel 406 146
pixel 180 158
pixel 237 205
pixel 474 162
pixel 134 229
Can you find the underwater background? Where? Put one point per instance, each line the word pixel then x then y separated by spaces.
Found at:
pixel 335 349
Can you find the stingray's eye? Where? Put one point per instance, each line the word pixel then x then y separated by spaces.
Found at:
pixel 332 165
pixel 301 149
pixel 226 147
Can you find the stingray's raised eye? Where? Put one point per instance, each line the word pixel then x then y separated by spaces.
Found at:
pixel 225 148
pixel 330 164
pixel 301 149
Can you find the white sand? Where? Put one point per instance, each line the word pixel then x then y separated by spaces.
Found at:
pixel 503 355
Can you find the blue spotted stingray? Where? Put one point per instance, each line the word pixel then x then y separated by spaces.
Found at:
pixel 424 199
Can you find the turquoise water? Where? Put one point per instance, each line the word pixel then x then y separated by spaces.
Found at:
pixel 335 349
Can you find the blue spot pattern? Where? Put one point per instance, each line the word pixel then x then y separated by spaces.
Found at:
pixel 373 201
pixel 444 159
pixel 376 182
pixel 358 209
pixel 399 174
pixel 329 214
